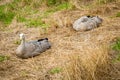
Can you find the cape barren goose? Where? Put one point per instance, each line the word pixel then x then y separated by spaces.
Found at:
pixel 87 23
pixel 32 48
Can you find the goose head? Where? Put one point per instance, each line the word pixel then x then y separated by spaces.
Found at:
pixel 22 36
pixel 98 19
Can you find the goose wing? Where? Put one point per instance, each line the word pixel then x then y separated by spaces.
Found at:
pixel 32 48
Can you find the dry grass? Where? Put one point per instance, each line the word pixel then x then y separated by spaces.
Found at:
pixel 5 1
pixel 74 55
pixel 93 65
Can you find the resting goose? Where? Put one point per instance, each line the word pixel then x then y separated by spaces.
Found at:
pixel 31 48
pixel 87 23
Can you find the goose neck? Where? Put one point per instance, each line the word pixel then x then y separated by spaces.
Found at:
pixel 23 41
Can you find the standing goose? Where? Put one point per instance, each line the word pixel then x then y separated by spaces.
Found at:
pixel 32 48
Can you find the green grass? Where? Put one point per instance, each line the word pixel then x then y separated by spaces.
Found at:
pixel 55 70
pixel 64 5
pixel 6 15
pixel 37 22
pixel 17 42
pixel 51 10
pixel 9 11
pixel 22 10
pixel 21 19
pixel 3 58
pixel 60 7
pixel 34 23
pixel 54 2
pixel 117 59
pixel 51 2
pixel 116 47
pixel 118 14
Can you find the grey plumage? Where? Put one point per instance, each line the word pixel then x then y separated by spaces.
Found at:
pixel 87 23
pixel 32 48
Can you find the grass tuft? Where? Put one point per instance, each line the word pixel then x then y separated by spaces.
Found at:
pixel 118 14
pixel 34 23
pixel 21 19
pixel 63 6
pixel 3 58
pixel 17 42
pixel 6 16
pixel 55 70
pixel 117 58
pixel 116 46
